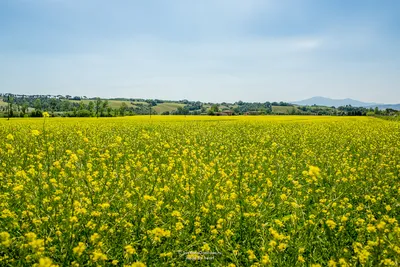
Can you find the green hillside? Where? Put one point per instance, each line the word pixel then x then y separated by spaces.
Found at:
pixel 111 103
pixel 115 104
pixel 163 107
pixel 283 109
pixel 2 103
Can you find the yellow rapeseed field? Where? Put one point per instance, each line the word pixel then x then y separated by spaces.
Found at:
pixel 214 191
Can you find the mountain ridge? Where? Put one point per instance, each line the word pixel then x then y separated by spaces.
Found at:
pixel 325 101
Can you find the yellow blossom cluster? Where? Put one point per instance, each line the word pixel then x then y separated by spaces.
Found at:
pixel 218 191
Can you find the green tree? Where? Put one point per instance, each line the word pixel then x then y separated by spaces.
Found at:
pixel 10 106
pixel 104 107
pixel 123 109
pixel 109 111
pixel 91 106
pixel 98 106
pixel 81 105
pixel 215 108
pixel 53 104
pixel 24 108
pixel 65 105
pixel 185 111
pixel 37 104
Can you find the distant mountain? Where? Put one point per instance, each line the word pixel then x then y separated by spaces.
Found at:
pixel 324 101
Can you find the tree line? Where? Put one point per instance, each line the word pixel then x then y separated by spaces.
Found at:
pixel 34 106
pixel 76 106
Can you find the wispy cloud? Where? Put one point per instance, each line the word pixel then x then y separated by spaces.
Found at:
pixel 307 44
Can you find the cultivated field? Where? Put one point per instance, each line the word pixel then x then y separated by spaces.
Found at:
pixel 217 191
pixel 115 104
pixel 2 103
pixel 163 107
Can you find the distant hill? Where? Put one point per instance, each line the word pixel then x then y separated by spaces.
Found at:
pixel 329 102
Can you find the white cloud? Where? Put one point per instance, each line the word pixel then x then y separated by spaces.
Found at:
pixel 307 44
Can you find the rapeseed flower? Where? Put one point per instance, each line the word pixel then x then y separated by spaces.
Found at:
pixel 260 189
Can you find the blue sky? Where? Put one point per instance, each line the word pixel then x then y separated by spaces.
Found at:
pixel 209 50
